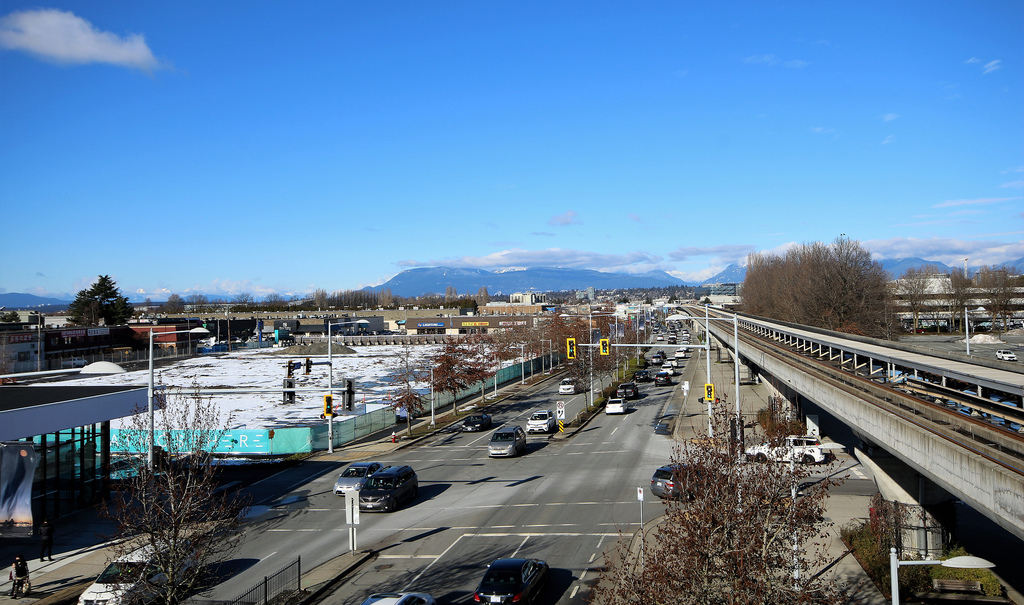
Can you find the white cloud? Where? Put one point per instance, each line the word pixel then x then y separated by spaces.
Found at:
pixel 889 117
pixel 725 254
pixel 990 67
pixel 550 257
pixel 823 130
pixel 1012 185
pixel 973 60
pixel 569 218
pixel 761 60
pixel 975 202
pixel 63 37
pixel 796 64
pixel 949 251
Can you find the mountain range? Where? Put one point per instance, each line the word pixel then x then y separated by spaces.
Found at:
pixel 416 282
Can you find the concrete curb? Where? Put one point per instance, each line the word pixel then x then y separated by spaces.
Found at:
pixel 324 588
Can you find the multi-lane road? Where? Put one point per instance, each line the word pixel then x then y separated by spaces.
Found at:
pixel 566 501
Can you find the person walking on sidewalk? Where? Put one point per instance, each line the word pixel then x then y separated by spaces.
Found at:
pixel 46 535
pixel 19 577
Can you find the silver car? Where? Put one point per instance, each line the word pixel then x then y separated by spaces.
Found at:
pixel 507 441
pixel 352 478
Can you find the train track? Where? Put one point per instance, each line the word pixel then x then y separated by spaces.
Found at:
pixel 977 424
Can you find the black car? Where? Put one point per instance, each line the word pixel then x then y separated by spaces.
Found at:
pixel 662 379
pixel 512 581
pixel 477 422
pixel 628 390
pixel 387 489
pixel 642 376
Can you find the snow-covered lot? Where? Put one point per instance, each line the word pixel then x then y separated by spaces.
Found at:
pixel 370 367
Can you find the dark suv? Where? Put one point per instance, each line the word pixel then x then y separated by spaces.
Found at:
pixel 386 489
pixel 628 390
pixel 642 376
pixel 662 379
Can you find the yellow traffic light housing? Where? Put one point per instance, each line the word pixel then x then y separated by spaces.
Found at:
pixel 570 348
pixel 328 405
pixel 606 346
pixel 709 392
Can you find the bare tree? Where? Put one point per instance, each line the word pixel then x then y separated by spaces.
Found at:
pixel 913 289
pixel 174 509
pixel 449 363
pixel 736 535
pixel 958 293
pixel 197 302
pixel 405 378
pixel 997 286
pixel 482 297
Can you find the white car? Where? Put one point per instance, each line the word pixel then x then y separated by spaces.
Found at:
pixel 400 598
pixel 680 353
pixel 567 387
pixel 668 369
pixel 1006 355
pixel 803 448
pixel 542 421
pixel 616 405
pixel 132 578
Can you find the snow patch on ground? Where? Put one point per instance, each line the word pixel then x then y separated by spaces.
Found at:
pixel 984 339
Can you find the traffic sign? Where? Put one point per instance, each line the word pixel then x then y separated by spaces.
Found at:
pixel 560 410
pixel 640 494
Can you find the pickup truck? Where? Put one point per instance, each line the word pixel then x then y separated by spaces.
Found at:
pixel 542 421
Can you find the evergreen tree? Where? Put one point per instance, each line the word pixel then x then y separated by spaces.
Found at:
pixel 102 301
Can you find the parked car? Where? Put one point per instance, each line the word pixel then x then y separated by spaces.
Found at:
pixel 542 421
pixel 74 362
pixel 662 379
pixel 628 390
pixel 352 478
pixel 133 578
pixel 388 488
pixel 1006 355
pixel 567 387
pixel 400 598
pixel 507 441
pixel 477 422
pixel 512 581
pixel 642 376
pixel 801 448
pixel 616 405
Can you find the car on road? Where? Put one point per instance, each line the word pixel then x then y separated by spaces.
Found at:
pixel 74 362
pixel 642 376
pixel 512 581
pixel 662 379
pixel 352 478
pixel 400 598
pixel 508 441
pixel 665 482
pixel 668 368
pixel 628 390
pixel 660 338
pixel 680 354
pixel 477 422
pixel 800 448
pixel 567 387
pixel 542 421
pixel 388 488
pixel 1006 355
pixel 616 405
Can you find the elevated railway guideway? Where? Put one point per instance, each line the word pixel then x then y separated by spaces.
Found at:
pixel 956 421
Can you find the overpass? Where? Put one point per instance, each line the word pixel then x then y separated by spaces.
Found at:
pixel 954 420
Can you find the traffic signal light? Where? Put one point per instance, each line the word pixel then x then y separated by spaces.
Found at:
pixel 350 395
pixel 309 366
pixel 328 405
pixel 709 392
pixel 570 348
pixel 606 346
pixel 290 368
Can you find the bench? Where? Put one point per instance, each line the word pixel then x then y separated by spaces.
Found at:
pixel 956 585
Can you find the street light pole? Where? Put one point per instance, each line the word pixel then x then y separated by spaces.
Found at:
pixel 522 362
pixel 551 350
pixel 965 562
pixel 967 318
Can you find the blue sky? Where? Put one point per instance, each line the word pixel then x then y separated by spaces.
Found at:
pixel 266 147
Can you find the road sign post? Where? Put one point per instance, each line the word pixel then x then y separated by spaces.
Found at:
pixel 352 517
pixel 560 415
